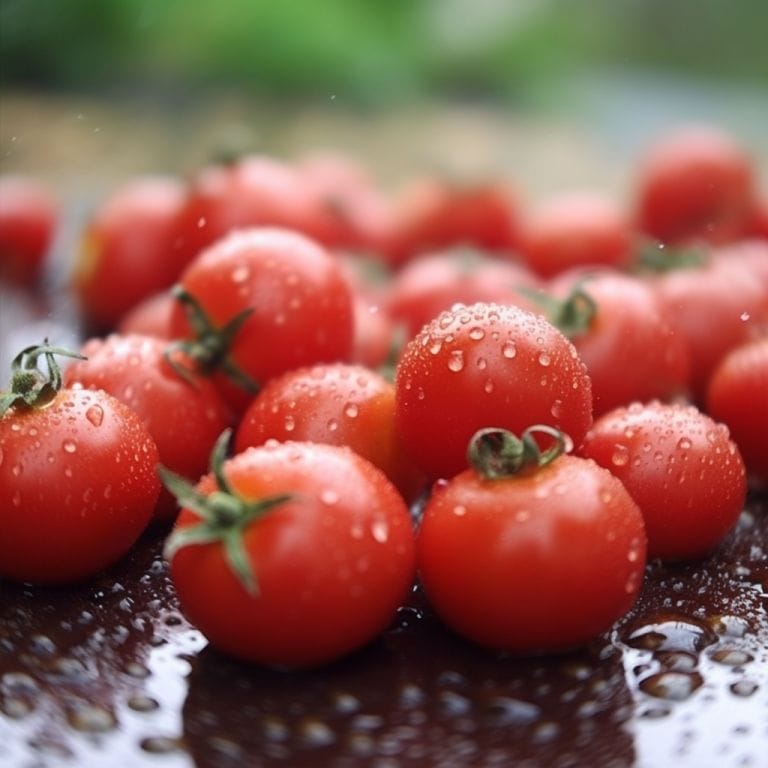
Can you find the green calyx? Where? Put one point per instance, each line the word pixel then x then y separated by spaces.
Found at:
pixel 209 350
pixel 572 315
pixel 30 387
pixel 496 453
pixel 224 515
pixel 657 257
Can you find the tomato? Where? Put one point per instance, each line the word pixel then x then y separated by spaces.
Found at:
pixel 435 281
pixel 714 307
pixel 680 466
pixel 736 395
pixel 696 183
pixel 485 365
pixel 339 404
pixel 150 317
pixel 129 249
pixel 183 413
pixel 292 554
pixel 290 294
pixel 538 557
pixel 28 219
pixel 759 227
pixel 575 229
pixel 434 213
pixel 77 477
pixel 624 335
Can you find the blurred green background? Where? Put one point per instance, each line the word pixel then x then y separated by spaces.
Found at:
pixel 374 52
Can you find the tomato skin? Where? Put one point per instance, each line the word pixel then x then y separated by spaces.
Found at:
pixel 541 561
pixel 332 564
pixel 736 396
pixel 631 348
pixel 301 304
pixel 680 466
pixel 129 249
pixel 184 417
pixel 575 229
pixel 696 183
pixel 150 317
pixel 77 487
pixel 28 219
pixel 337 404
pixel 485 365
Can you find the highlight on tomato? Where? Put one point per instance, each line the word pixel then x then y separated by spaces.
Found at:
pixel 528 550
pixel 78 480
pixel 290 554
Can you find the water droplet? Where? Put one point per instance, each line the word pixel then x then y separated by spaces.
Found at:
pixel 744 688
pixel 380 531
pixel 460 510
pixel 557 409
pixel 672 635
pixel 744 316
pixel 92 719
pixel 684 443
pixel 476 333
pixel 316 733
pixel 201 222
pixel 732 657
pixel 509 350
pixel 544 359
pixel 620 455
pixel 329 496
pixel 95 414
pixel 673 686
pixel 289 424
pixel 435 346
pixel 141 703
pixel 333 425
pixel 351 410
pixel 159 745
pixel 456 361
pixel 488 386
pixel 69 446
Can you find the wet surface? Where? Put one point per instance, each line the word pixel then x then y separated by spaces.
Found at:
pixel 111 674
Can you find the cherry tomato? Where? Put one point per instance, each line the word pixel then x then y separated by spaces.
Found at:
pixel 184 413
pixel 78 479
pixel 575 229
pixel 539 557
pixel 737 394
pixel 485 365
pixel 433 282
pixel 680 466
pixel 28 219
pixel 338 404
pixel 150 317
pixel 129 249
pixel 292 554
pixel 696 183
pixel 624 335
pixel 286 295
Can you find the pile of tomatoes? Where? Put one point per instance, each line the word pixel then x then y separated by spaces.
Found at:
pixel 321 395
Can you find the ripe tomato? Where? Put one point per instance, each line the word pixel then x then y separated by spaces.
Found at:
pixel 714 307
pixel 680 466
pixel 184 415
pixel 129 249
pixel 737 395
pixel 435 281
pixel 292 554
pixel 485 365
pixel 507 559
pixel 77 477
pixel 28 219
pixel 338 404
pixel 625 337
pixel 434 213
pixel 696 183
pixel 575 229
pixel 298 302
pixel 150 317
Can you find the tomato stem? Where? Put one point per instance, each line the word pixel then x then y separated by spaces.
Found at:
pixel 497 453
pixel 224 515
pixel 29 386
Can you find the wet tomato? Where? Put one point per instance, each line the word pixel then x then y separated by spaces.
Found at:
pixel 292 554
pixel 485 365
pixel 680 466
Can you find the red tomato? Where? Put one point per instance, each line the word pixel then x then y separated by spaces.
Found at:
pixel 129 249
pixel 150 317
pixel 714 307
pixel 759 226
pixel 509 560
pixel 77 481
pixel 435 213
pixel 680 466
pixel 737 394
pixel 299 302
pixel 433 282
pixel 185 416
pixel 575 229
pixel 28 219
pixel 696 183
pixel 338 404
pixel 317 571
pixel 480 366
pixel 625 337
